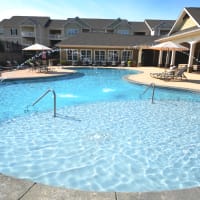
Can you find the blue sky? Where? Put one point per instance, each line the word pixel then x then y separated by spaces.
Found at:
pixel 132 10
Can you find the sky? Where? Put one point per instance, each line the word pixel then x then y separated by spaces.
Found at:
pixel 132 10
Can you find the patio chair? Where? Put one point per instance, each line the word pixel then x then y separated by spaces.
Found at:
pixel 170 71
pixel 171 74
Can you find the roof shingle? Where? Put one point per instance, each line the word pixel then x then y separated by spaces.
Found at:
pixel 106 39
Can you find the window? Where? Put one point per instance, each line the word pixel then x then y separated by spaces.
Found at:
pixel 86 30
pixel 123 32
pixel 72 55
pixel 126 55
pixel 72 31
pixel 86 55
pixel 113 56
pixel 1 31
pixel 164 32
pixel 13 31
pixel 139 33
pixel 100 56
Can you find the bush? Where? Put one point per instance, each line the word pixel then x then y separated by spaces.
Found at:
pixel 129 63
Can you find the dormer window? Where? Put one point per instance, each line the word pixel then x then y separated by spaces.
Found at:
pixel 123 32
pixel 164 32
pixel 139 33
pixel 72 31
pixel 85 30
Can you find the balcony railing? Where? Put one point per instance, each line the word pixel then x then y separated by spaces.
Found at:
pixel 27 34
pixel 55 36
pixel 27 42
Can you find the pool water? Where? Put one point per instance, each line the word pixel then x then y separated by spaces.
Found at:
pixel 106 136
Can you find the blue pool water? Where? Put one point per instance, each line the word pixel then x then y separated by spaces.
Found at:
pixel 107 135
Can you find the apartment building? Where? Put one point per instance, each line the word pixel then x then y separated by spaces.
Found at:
pixel 116 37
pixel 106 40
pixel 27 30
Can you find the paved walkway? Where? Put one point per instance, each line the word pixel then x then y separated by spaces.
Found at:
pixel 18 189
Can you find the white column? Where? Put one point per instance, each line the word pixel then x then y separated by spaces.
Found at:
pixel 191 56
pixel 173 58
pixel 160 58
pixel 167 59
pixel 140 57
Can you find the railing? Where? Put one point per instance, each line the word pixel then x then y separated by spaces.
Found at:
pixel 2 79
pixel 41 97
pixel 27 34
pixel 55 36
pixel 152 85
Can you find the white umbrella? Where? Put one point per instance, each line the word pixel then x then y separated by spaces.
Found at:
pixel 36 47
pixel 167 46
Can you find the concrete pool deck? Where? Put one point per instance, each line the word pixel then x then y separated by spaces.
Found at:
pixel 19 189
pixel 191 83
pixel 33 74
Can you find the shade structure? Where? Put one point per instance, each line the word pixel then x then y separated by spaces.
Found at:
pixel 36 47
pixel 169 46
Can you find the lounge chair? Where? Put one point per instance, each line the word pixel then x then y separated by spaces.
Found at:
pixel 170 71
pixel 170 74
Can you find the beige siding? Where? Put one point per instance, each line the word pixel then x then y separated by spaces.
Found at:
pixel 188 23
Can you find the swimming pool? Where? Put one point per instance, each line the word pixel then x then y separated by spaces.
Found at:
pixel 107 136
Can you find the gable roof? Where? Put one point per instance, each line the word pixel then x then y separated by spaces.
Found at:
pixel 139 26
pixel 78 21
pixel 103 40
pixel 154 23
pixel 19 20
pixel 56 23
pixel 193 14
pixel 116 23
pixel 97 23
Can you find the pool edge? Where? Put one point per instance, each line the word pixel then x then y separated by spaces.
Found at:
pixel 15 189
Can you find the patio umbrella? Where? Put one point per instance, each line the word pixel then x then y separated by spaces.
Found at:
pixel 169 46
pixel 36 47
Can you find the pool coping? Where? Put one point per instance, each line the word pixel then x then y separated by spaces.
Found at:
pixel 21 189
pixel 192 83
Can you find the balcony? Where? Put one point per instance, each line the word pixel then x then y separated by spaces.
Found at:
pixel 55 36
pixel 27 34
pixel 28 42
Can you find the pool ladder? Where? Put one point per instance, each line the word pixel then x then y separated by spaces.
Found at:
pixel 152 85
pixel 2 79
pixel 41 97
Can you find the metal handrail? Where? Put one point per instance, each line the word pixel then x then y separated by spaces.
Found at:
pixel 152 85
pixel 2 79
pixel 54 95
pixel 152 96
